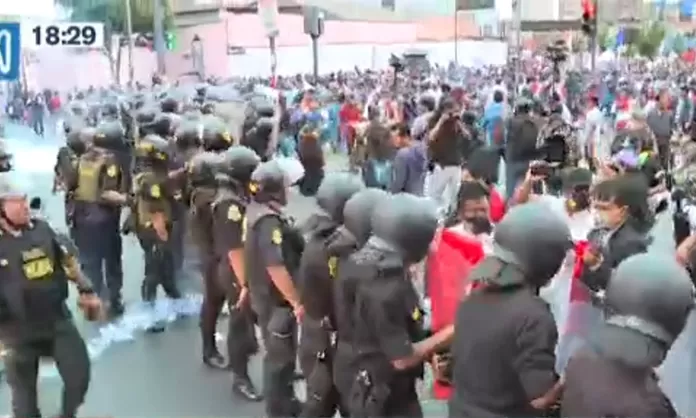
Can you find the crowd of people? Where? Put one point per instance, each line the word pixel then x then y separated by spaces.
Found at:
pixel 586 172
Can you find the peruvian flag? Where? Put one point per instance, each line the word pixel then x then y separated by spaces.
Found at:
pixel 452 257
pixel 572 307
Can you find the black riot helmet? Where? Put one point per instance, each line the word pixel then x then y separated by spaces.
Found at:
pixel 208 108
pixel 145 115
pixel 163 125
pixel 203 168
pixel 153 150
pixel 358 211
pixel 189 134
pixel 407 223
pixel 335 190
pixel 652 294
pixel 265 110
pixel 534 239
pixel 169 105
pixel 110 135
pixel 110 110
pixel 239 163
pixel 269 182
pixel 75 142
pixel 216 137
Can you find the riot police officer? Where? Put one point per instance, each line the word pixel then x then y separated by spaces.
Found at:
pixel 151 218
pixel 229 209
pixel 388 346
pixel 65 172
pixel 346 240
pixel 203 188
pixel 274 297
pixel 649 299
pixel 530 244
pixel 315 282
pixel 99 192
pixel 36 266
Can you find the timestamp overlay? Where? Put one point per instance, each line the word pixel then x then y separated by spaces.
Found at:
pixel 62 34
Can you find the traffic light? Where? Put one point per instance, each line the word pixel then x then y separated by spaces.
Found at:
pixel 589 17
pixel 169 41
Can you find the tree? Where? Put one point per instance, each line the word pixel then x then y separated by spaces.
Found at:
pixel 113 14
pixel 650 39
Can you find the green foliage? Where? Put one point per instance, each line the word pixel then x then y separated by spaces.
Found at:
pixel 113 13
pixel 604 37
pixel 650 39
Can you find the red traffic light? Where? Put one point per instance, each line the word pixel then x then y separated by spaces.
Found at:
pixel 588 9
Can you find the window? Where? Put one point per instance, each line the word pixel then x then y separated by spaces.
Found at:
pixel 389 4
pixel 487 31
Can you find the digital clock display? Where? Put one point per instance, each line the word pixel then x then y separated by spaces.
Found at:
pixel 63 34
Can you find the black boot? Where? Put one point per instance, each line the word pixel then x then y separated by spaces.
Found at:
pixel 116 308
pixel 243 387
pixel 213 359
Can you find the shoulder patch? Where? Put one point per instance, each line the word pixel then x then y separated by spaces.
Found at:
pixel 416 314
pixel 277 236
pixel 155 191
pixel 234 214
pixel 112 171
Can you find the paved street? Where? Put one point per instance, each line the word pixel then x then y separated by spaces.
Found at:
pixel 161 375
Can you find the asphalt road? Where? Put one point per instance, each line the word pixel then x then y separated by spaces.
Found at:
pixel 142 375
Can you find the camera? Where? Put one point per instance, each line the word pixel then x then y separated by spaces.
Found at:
pixel 396 63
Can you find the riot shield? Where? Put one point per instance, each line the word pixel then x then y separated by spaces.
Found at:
pixel 451 259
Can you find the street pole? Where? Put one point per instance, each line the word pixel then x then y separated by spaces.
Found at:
pixel 593 38
pixel 456 36
pixel 274 59
pixel 158 28
pixel 129 34
pixel 315 58
pixel 517 28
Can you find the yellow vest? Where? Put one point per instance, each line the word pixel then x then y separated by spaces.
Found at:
pixel 142 211
pixel 89 169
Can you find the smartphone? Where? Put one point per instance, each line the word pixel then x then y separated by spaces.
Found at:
pixel 541 168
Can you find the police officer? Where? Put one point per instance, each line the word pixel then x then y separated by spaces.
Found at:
pixel 649 297
pixel 315 281
pixel 274 297
pixel 36 266
pixel 388 346
pixel 65 172
pixel 151 219
pixel 99 192
pixel 509 370
pixel 229 209
pixel 346 240
pixel 203 186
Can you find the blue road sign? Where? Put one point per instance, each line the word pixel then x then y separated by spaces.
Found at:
pixel 10 45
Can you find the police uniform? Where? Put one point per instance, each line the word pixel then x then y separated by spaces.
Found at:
pixel 346 240
pixel 650 298
pixel 203 189
pixel 505 334
pixel 35 322
pixel 264 251
pixel 96 221
pixel 228 213
pixel 386 312
pixel 317 271
pixel 153 198
pixel 65 172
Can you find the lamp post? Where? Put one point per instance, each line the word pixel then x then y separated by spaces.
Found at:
pixel 197 56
